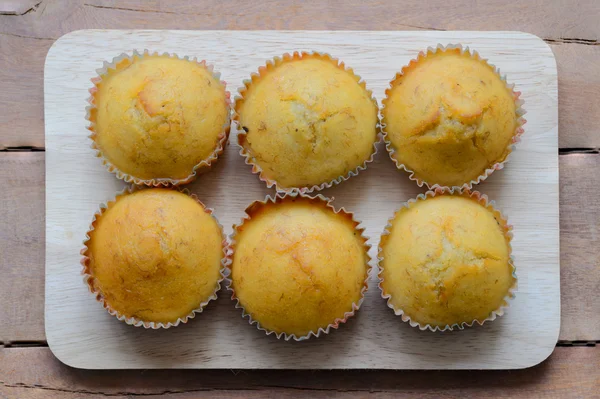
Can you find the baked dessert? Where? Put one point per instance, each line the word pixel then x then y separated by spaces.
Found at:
pixel 306 122
pixel 298 267
pixel 445 260
pixel 158 119
pixel 154 257
pixel 450 119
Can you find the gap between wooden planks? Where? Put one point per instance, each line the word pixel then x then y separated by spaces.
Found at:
pixel 22 241
pixel 36 373
pixel 573 36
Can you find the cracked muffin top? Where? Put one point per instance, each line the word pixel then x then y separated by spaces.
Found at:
pixel 298 266
pixel 307 121
pixel 159 117
pixel 448 117
pixel 446 261
pixel 155 255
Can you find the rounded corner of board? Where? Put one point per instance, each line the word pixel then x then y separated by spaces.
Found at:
pixel 541 42
pixel 60 356
pixel 59 42
pixel 543 354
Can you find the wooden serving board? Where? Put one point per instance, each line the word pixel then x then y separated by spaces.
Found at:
pixel 82 334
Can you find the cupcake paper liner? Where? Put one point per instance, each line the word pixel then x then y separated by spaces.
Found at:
pixel 276 199
pixel 507 229
pixel 88 278
pixel 201 167
pixel 250 159
pixel 511 146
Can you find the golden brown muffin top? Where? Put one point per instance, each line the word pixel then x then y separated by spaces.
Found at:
pixel 307 121
pixel 159 117
pixel 155 255
pixel 448 117
pixel 446 261
pixel 298 266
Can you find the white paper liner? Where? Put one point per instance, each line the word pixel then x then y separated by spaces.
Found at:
pixel 250 160
pixel 276 199
pixel 511 146
pixel 88 277
pixel 201 167
pixel 507 229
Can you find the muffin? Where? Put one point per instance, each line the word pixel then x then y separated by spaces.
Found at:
pixel 306 122
pixel 158 119
pixel 298 266
pixel 154 257
pixel 450 119
pixel 445 261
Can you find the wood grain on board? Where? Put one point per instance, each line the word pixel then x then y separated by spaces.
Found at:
pixel 36 373
pixel 573 36
pixel 81 333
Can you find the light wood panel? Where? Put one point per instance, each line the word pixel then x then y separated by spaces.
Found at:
pixel 25 40
pixel 81 333
pixel 22 235
pixel 35 373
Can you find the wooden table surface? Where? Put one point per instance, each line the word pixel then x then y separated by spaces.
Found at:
pixel 29 27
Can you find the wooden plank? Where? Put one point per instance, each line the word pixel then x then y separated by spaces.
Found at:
pixel 571 372
pixel 79 331
pixel 18 7
pixel 21 97
pixel 579 248
pixel 25 40
pixel 22 242
pixel 578 88
pixel 53 19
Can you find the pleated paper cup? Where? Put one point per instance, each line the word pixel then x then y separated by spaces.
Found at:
pixel 245 149
pixel 506 229
pixel 279 198
pixel 90 281
pixel 123 61
pixel 497 165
